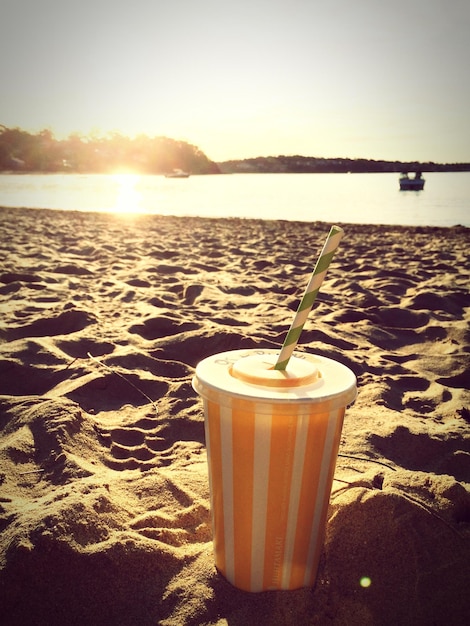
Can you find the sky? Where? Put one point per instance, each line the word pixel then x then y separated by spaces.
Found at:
pixel 239 79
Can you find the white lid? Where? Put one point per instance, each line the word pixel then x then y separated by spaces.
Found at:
pixel 249 374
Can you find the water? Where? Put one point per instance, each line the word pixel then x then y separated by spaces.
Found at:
pixel 356 198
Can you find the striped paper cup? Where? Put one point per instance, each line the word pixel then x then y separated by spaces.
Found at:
pixel 272 440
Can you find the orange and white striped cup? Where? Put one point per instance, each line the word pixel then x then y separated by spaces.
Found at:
pixel 272 440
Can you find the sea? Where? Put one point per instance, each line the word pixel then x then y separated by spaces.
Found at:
pixel 344 198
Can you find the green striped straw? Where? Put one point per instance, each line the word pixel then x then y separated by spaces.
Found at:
pixel 313 287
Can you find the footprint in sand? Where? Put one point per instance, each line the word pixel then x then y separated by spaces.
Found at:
pixel 127 445
pixel 396 317
pixel 329 338
pixel 145 362
pixel 188 525
pixel 398 386
pixel 112 391
pixel 163 269
pixel 79 348
pixel 423 452
pixel 64 323
pixel 19 277
pixel 138 282
pixel 75 270
pixel 452 303
pixel 191 293
pixel 158 327
pixel 193 347
pixel 23 379
pixel 42 431
pixel 30 369
pixel 461 380
pixel 149 443
pixel 389 338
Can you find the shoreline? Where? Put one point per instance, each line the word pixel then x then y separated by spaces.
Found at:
pixel 104 506
pixel 132 217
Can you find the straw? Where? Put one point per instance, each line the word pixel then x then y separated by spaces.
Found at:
pixel 311 292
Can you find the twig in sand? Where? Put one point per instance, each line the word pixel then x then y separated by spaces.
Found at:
pixel 358 458
pixel 429 510
pixel 110 369
pixel 70 364
pixel 36 471
pixel 416 501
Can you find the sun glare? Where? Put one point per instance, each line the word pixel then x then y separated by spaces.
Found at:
pixel 128 197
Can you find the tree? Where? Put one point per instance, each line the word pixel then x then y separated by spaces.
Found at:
pixel 42 152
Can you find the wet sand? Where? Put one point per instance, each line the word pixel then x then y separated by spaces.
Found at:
pixel 104 499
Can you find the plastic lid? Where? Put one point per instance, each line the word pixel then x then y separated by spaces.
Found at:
pixel 259 370
pixel 250 375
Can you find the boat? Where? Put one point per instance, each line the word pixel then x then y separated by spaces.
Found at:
pixel 411 184
pixel 177 174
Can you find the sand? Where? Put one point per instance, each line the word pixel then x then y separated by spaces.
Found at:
pixel 104 498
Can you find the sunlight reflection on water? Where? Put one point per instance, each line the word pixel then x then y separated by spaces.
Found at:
pixel 128 197
pixel 357 198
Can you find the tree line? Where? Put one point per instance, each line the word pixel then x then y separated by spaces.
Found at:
pixel 302 164
pixel 42 152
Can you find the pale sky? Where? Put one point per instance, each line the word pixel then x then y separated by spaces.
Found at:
pixel 337 78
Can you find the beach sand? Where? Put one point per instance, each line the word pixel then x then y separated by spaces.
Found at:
pixel 104 497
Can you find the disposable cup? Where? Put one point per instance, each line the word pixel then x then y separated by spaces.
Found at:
pixel 272 440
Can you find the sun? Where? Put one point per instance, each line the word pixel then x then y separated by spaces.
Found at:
pixel 128 197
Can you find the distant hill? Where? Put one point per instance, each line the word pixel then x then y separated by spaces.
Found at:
pixel 303 164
